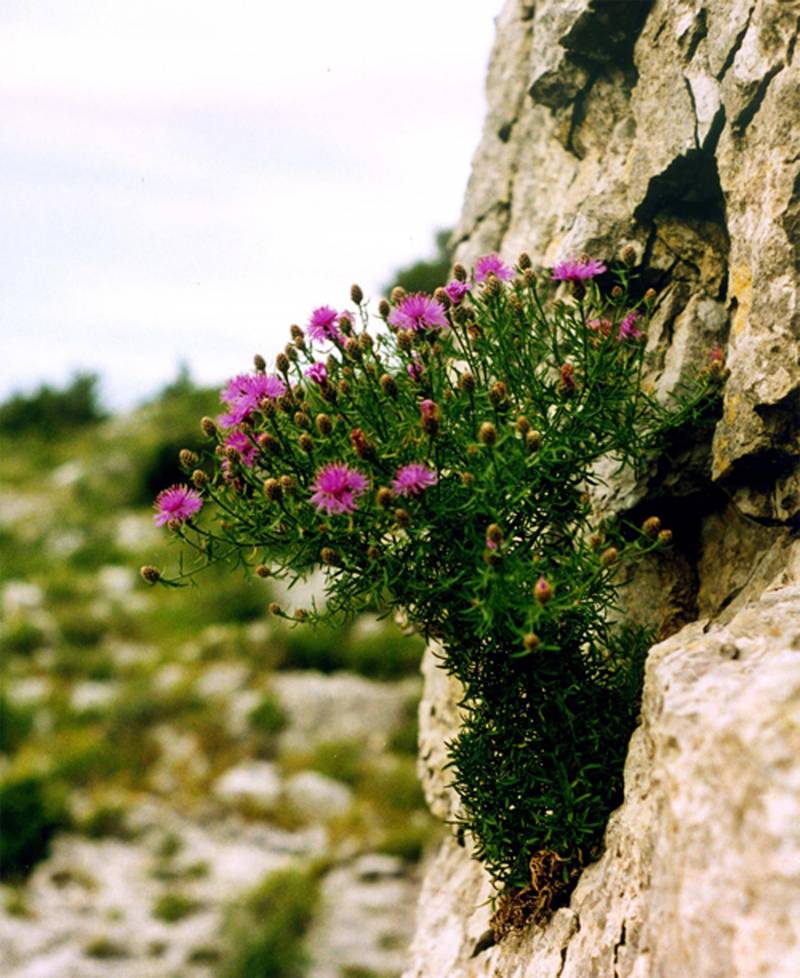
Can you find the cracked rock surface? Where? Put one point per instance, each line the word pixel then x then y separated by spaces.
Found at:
pixel 672 126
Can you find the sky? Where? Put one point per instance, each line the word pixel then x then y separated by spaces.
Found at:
pixel 180 180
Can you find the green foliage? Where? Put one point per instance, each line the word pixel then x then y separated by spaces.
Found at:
pixel 425 275
pixel 265 931
pixel 508 401
pixel 172 907
pixel 32 812
pixel 268 717
pixel 16 722
pixel 49 409
pixel 386 654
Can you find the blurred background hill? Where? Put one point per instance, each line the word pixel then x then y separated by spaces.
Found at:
pixel 187 786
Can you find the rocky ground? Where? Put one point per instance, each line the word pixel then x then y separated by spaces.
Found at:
pixel 175 759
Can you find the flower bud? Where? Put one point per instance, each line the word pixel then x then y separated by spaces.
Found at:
pixel 609 556
pixel 529 275
pixel 531 642
pixel 274 608
pixel 361 446
pixel 150 574
pixel 282 362
pixel 328 554
pixel 345 324
pixel 596 541
pixel 353 349
pixel 384 497
pixel 324 424
pixel 287 484
pixel 492 286
pixel 306 443
pixel 262 570
pixel 259 363
pixel 430 413
pixel 522 425
pixel 459 272
pixel 498 394
pixel 629 255
pixel 199 479
pixel 302 420
pixel 543 591
pixel 405 340
pixel 343 387
pixel 398 293
pixel 487 433
pixel 462 314
pixel 356 294
pixel 649 295
pixel 286 403
pixel 494 533
pixel 665 537
pixel 466 382
pixel 441 297
pixel 402 517
pixel 384 309
pixel 299 343
pixel 617 292
pixel 467 479
pixel 188 458
pixel 272 490
pixel 567 382
pixel 524 261
pixel 373 553
pixel 209 427
pixel 269 443
pixel 297 333
pixel 291 352
pixel 267 407
pixel 300 614
pixel 474 332
pixel 651 526
pixel 388 385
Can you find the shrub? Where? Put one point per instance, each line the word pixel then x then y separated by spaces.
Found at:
pixel 16 722
pixel 32 812
pixel 49 409
pixel 172 907
pixel 265 931
pixel 444 466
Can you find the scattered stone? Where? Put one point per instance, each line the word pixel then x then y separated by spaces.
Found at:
pixel 255 783
pixel 317 797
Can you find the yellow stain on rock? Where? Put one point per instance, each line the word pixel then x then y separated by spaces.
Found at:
pixel 731 409
pixel 742 290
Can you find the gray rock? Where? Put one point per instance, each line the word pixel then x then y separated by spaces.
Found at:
pixel 254 783
pixel 317 797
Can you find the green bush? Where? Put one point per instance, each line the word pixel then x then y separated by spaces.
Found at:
pixel 442 466
pixel 32 812
pixel 265 931
pixel 49 408
pixel 172 907
pixel 16 722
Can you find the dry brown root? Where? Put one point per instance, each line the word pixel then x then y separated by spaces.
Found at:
pixel 550 889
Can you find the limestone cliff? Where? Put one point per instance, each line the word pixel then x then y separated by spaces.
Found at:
pixel 673 126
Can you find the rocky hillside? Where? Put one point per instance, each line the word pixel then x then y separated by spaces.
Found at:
pixel 186 787
pixel 671 127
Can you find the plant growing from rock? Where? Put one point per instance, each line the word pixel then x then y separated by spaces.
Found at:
pixel 443 465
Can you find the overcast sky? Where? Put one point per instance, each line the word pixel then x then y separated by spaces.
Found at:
pixel 182 179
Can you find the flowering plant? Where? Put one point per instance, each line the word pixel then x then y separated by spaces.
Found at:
pixel 443 465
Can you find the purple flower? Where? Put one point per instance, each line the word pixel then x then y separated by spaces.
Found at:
pixel 176 505
pixel 412 479
pixel 628 329
pixel 492 265
pixel 243 395
pixel 415 368
pixel 418 312
pixel 577 269
pixel 243 446
pixel 456 291
pixel 322 325
pixel 318 372
pixel 336 488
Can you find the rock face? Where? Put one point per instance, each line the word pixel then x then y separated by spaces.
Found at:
pixel 670 126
